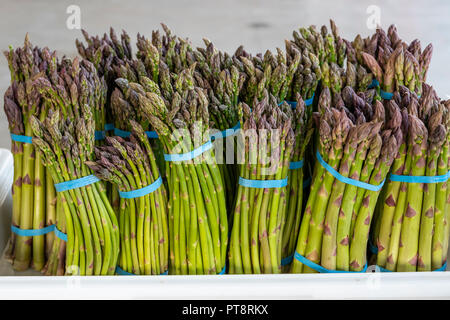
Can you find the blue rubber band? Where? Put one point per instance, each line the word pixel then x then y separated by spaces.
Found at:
pixel 122 272
pixel 321 269
pixel 293 104
pixel 386 95
pixel 347 180
pixel 189 155
pixel 39 232
pixel 286 261
pixel 23 139
pixel 152 134
pixel 60 234
pixel 142 191
pixel 441 269
pixel 77 183
pixel 226 133
pixel 100 135
pixel 374 84
pixel 309 101
pixel 307 183
pixel 263 183
pixel 109 126
pixel 420 179
pixel 223 270
pixel 32 232
pixel 296 164
pixel 121 133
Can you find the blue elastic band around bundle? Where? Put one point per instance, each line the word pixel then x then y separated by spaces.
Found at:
pixel 39 232
pixel 386 95
pixel 443 268
pixel 142 191
pixel 121 133
pixel 60 234
pixel 321 269
pixel 189 155
pixel 420 179
pixel 23 139
pixel 309 101
pixel 263 183
pixel 100 135
pixel 293 104
pixel 347 180
pixel 151 134
pixel 77 183
pixel 296 164
pixel 32 232
pixel 226 133
pixel 286 261
pixel 374 84
pixel 122 272
pixel 109 126
pixel 223 270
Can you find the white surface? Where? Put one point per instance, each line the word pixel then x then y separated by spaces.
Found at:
pixel 321 286
pixel 6 173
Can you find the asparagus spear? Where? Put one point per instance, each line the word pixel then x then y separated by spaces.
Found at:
pixel 21 101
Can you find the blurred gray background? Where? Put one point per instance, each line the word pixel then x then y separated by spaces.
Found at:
pixel 258 24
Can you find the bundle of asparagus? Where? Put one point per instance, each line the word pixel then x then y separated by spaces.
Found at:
pixel 395 63
pixel 131 166
pixel 66 140
pixel 353 159
pixel 114 60
pixel 267 141
pixel 412 233
pixel 34 197
pixel 198 229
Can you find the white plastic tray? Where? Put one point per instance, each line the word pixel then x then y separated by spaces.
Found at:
pixel 288 286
